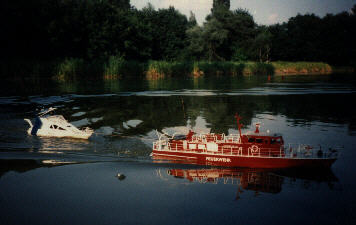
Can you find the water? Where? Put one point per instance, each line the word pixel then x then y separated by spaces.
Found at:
pixel 68 181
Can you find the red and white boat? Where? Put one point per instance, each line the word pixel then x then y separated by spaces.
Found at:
pixel 253 150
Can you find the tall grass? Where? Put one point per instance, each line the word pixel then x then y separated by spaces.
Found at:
pixel 113 67
pixel 70 68
pixel 116 67
pixel 219 68
pixel 301 67
pixel 160 69
pixel 259 68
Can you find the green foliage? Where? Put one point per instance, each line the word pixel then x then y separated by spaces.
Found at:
pixel 192 21
pixel 196 48
pixel 88 36
pixel 70 68
pixel 113 67
pixel 215 36
pixel 165 29
pixel 259 68
pixel 302 67
pixel 164 68
pixel 220 68
pixel 262 45
pixel 226 31
pixel 238 55
pixel 116 67
pixel 311 38
pixel 220 5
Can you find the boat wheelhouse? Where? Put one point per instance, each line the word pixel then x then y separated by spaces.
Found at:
pixel 253 150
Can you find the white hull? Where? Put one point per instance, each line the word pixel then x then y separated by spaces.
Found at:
pixel 56 126
pixel 46 133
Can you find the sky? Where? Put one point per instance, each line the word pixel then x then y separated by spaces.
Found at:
pixel 265 12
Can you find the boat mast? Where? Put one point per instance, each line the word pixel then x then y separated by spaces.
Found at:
pixel 238 118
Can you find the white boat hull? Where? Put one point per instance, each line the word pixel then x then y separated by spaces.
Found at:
pixel 46 133
pixel 56 126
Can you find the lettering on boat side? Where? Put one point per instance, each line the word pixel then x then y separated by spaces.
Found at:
pixel 215 159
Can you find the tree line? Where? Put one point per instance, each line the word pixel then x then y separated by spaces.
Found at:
pixel 98 29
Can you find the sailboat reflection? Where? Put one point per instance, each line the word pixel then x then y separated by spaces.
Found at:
pixel 257 180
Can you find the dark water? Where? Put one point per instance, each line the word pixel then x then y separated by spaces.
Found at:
pixel 68 181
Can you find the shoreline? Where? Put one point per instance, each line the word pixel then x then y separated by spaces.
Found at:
pixel 117 68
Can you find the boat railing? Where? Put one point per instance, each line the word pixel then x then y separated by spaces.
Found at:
pixel 293 150
pixel 290 150
pixel 161 144
pixel 232 138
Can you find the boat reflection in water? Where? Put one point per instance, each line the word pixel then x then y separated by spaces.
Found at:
pixel 257 180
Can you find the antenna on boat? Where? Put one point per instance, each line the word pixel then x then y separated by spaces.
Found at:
pixel 238 118
pixel 46 111
pixel 257 131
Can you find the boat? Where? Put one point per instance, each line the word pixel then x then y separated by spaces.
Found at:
pixel 56 126
pixel 252 150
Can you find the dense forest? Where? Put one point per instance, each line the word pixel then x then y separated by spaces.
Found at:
pixel 47 30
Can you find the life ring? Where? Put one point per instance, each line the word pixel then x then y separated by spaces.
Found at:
pixel 254 149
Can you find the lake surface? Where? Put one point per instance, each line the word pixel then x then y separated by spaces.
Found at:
pixel 68 181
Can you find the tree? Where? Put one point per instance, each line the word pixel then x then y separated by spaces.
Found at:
pixel 239 28
pixel 166 28
pixel 279 42
pixel 196 47
pixel 192 21
pixel 304 33
pixel 262 44
pixel 215 36
pixel 217 4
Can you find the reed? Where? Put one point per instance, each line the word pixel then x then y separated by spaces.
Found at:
pixel 113 67
pixel 258 68
pixel 70 69
pixel 301 67
pixel 161 69
pixel 218 68
pixel 116 67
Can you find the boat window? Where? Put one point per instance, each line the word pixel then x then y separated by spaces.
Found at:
pixel 60 128
pixel 258 140
pixel 53 127
pixel 276 141
pixel 179 137
pixel 251 139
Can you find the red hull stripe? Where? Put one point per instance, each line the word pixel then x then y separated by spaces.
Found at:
pixel 246 161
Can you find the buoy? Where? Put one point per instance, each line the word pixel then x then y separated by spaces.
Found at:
pixel 120 176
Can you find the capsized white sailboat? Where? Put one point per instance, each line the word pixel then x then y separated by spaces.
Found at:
pixel 56 126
